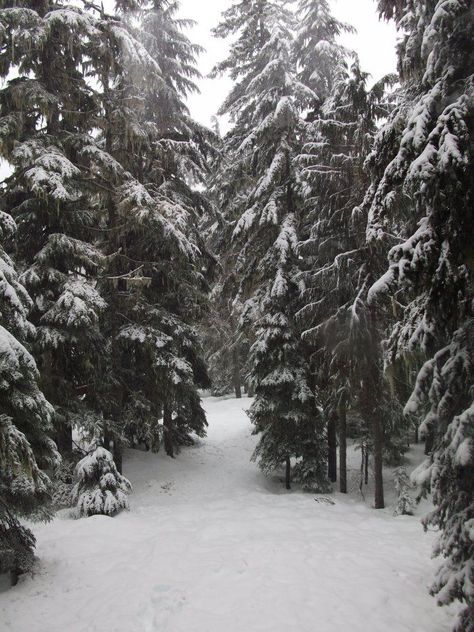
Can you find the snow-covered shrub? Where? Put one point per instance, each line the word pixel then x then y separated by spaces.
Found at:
pixel 17 545
pixel 63 482
pixel 405 503
pixel 99 488
pixel 308 473
pixel 24 491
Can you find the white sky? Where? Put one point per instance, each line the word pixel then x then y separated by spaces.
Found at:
pixel 374 42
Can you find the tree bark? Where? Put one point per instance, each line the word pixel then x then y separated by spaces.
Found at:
pixel 332 447
pixel 64 438
pixel 342 448
pixel 366 465
pixel 236 373
pixel 429 440
pixel 168 430
pixel 378 464
pixel 372 388
pixel 118 456
pixel 288 473
pixel 14 577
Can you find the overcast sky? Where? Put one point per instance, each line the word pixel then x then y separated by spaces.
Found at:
pixel 374 42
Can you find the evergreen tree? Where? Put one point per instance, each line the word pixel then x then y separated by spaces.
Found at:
pixel 422 192
pixel 100 489
pixel 156 281
pixel 110 172
pixel 284 410
pixel 319 55
pixel 50 115
pixel 25 421
pixel 405 503
pixel 264 107
pixel 342 329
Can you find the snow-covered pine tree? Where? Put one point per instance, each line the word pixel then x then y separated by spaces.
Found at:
pixel 48 116
pixel 424 195
pixel 321 60
pixel 156 279
pixel 343 332
pixel 405 503
pixel 25 422
pixel 264 107
pixel 100 489
pixel 226 342
pixel 284 411
pixel 318 53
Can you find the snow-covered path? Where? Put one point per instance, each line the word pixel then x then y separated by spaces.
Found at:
pixel 211 546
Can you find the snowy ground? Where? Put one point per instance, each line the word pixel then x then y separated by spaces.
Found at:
pixel 211 546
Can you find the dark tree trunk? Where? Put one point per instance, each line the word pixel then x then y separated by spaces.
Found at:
pixel 236 373
pixel 118 456
pixel 417 436
pixel 332 447
pixel 14 577
pixel 372 389
pixel 342 448
pixel 366 465
pixel 288 473
pixel 168 430
pixel 64 438
pixel 250 391
pixel 429 440
pixel 378 451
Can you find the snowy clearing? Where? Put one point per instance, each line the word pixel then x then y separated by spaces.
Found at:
pixel 210 545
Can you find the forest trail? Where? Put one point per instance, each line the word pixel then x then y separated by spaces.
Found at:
pixel 210 545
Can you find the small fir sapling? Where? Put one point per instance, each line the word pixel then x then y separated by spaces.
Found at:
pixel 405 503
pixel 100 489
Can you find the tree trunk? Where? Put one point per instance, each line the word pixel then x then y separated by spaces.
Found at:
pixel 378 452
pixel 366 465
pixel 373 387
pixel 332 447
pixel 288 473
pixel 236 373
pixel 64 438
pixel 14 577
pixel 342 448
pixel 118 456
pixel 168 430
pixel 429 440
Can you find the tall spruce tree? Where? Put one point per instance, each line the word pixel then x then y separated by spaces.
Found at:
pixel 50 117
pixel 423 193
pixel 342 328
pixel 156 278
pixel 78 131
pixel 319 55
pixel 25 422
pixel 321 64
pixel 264 107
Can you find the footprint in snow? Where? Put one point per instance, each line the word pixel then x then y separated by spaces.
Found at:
pixel 167 487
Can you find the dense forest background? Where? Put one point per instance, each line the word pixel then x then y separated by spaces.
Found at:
pixel 318 256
